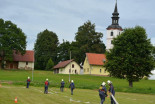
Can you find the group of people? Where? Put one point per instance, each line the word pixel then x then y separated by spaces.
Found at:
pixel 102 89
pixel 72 86
pixel 103 92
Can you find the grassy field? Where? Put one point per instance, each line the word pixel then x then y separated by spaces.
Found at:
pixel 81 81
pixel 34 95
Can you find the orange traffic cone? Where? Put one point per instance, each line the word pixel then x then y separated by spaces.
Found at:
pixel 15 99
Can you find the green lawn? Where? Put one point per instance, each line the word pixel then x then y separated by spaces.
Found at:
pixel 81 81
pixel 34 95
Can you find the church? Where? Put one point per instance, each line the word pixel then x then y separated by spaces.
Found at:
pixel 114 29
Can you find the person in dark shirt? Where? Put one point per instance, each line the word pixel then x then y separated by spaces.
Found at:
pixel 112 91
pixel 72 86
pixel 46 86
pixel 28 82
pixel 102 92
pixel 62 85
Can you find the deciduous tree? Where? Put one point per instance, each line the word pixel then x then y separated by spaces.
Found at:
pixel 88 40
pixel 11 39
pixel 45 48
pixel 131 57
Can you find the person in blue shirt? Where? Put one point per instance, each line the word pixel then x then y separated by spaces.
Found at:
pixel 102 92
pixel 112 91
pixel 28 82
pixel 62 85
pixel 72 86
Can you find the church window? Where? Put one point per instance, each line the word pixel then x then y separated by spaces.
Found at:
pixel 112 33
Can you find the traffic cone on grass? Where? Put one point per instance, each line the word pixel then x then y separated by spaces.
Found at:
pixel 15 99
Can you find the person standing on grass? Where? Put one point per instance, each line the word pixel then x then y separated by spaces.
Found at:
pixel 102 92
pixel 46 86
pixel 62 85
pixel 72 86
pixel 111 90
pixel 28 82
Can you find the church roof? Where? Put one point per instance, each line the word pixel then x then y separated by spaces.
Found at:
pixel 115 18
pixel 114 27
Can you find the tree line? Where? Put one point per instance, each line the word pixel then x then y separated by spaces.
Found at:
pixel 131 58
pixel 47 46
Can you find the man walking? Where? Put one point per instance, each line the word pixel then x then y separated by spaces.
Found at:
pixel 112 91
pixel 46 86
pixel 28 82
pixel 62 85
pixel 72 86
pixel 102 92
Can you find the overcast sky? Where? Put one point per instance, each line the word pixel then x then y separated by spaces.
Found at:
pixel 65 16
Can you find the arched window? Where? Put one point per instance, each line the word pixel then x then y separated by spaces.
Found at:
pixel 112 33
pixel 72 65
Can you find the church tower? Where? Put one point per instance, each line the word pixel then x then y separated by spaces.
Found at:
pixel 114 29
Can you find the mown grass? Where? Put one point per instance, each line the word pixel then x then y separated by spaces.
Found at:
pixel 19 77
pixel 35 95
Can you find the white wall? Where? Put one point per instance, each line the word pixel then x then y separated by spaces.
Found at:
pixel 66 69
pixel 109 38
pixel 22 65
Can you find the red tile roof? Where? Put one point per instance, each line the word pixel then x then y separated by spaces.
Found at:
pixel 62 64
pixel 27 57
pixel 96 59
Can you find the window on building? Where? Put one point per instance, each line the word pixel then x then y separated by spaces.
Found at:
pixel 119 33
pixel 100 70
pixel 27 63
pixel 112 33
pixel 72 65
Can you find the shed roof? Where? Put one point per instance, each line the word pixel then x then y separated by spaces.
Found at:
pixel 28 56
pixel 62 64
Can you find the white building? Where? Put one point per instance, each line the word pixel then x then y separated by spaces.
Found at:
pixel 67 67
pixel 114 29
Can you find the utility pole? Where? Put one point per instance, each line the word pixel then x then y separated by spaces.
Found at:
pixel 33 68
pixel 70 67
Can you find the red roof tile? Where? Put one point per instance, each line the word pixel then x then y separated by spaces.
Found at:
pixel 96 59
pixel 28 56
pixel 62 64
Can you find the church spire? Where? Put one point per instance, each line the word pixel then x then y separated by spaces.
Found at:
pixel 116 11
pixel 115 18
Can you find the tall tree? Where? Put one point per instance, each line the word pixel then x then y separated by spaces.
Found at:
pixel 88 40
pixel 45 48
pixel 131 57
pixel 11 39
pixel 64 50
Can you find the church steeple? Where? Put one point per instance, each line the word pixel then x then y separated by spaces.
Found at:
pixel 115 19
pixel 115 16
pixel 114 29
